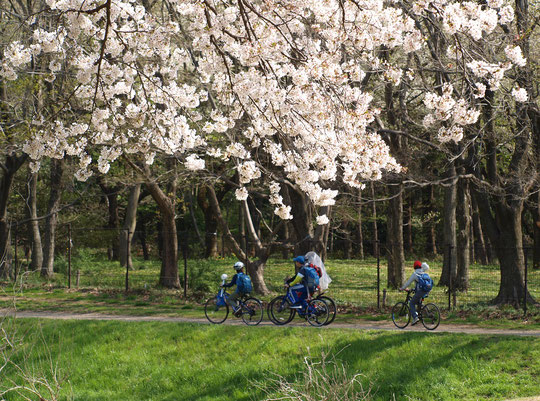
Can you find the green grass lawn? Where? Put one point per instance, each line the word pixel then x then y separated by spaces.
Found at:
pixel 100 360
pixel 354 288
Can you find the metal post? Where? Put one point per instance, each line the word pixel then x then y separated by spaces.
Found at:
pixel 184 252
pixel 16 251
pixel 77 279
pixel 525 290
pixel 69 255
pixel 378 274
pixel 128 243
pixel 450 283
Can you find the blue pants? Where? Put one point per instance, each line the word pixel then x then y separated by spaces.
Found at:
pixel 300 294
pixel 418 295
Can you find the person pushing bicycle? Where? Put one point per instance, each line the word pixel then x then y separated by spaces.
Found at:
pixel 423 285
pixel 243 286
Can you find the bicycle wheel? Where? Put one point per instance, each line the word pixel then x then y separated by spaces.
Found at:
pixel 332 308
pixel 317 312
pixel 280 311
pixel 400 315
pixel 430 316
pixel 252 311
pixel 215 313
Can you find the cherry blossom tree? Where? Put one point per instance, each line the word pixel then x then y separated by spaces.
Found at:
pixel 287 93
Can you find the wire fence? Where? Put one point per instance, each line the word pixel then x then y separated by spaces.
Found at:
pixel 90 258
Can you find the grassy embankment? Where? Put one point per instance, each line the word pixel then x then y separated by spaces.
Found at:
pixel 166 361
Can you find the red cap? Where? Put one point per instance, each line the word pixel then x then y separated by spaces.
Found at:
pixel 417 264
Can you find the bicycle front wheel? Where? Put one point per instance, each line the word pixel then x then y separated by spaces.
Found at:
pixel 431 317
pixel 215 313
pixel 332 308
pixel 280 311
pixel 252 311
pixel 400 315
pixel 317 312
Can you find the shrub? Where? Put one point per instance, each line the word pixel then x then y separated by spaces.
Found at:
pixel 325 378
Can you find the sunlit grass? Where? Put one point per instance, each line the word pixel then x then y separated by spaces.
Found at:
pixel 169 361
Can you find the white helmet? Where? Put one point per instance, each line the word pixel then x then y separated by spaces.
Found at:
pixel 238 266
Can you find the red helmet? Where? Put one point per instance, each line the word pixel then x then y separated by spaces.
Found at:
pixel 417 264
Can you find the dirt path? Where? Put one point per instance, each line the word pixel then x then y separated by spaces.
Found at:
pixel 379 325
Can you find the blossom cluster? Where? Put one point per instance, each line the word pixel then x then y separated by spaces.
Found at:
pixel 272 85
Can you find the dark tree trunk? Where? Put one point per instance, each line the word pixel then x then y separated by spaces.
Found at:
pixel 169 256
pixel 33 224
pixel 479 240
pixel 194 217
pixel 394 241
pixel 428 211
pixel 374 217
pixel 130 222
pixel 347 246
pixel 242 230
pixel 407 225
pixel 534 115
pixel 463 235
pixel 449 270
pixel 285 233
pixel 320 240
pixel 111 192
pixel 10 167
pixel 302 221
pixel 536 236
pixel 210 222
pixel 359 230
pixel 506 234
pixel 49 238
pixel 254 268
pixel 141 224
pixel 501 213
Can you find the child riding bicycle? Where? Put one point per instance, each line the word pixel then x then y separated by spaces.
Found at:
pixel 422 287
pixel 243 287
pixel 304 283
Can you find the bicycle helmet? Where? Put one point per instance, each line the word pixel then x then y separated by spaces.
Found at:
pixel 238 266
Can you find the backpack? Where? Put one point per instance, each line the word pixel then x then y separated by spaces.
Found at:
pixel 425 283
pixel 317 269
pixel 312 277
pixel 243 283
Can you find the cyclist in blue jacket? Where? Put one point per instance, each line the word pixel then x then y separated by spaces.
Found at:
pixel 232 300
pixel 305 280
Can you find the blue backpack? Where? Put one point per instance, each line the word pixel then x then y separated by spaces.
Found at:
pixel 425 283
pixel 312 278
pixel 243 283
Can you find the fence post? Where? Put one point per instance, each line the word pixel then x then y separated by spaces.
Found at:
pixel 184 253
pixel 526 290
pixel 450 284
pixel 69 255
pixel 378 274
pixel 128 244
pixel 77 278
pixel 16 251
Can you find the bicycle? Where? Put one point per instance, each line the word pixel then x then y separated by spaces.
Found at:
pixel 282 309
pixel 428 314
pixel 216 309
pixel 332 308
